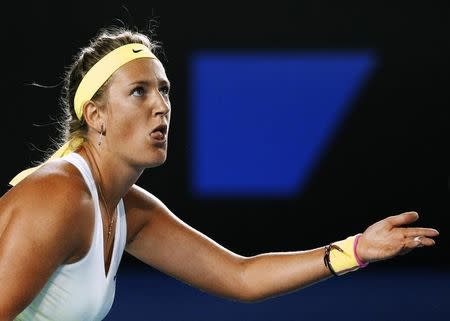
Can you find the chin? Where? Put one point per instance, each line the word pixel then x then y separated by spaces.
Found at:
pixel 157 164
pixel 157 160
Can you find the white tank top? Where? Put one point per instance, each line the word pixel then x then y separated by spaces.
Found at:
pixel 80 291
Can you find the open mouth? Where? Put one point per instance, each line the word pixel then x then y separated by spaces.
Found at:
pixel 159 133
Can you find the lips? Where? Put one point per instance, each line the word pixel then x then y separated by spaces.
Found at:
pixel 159 133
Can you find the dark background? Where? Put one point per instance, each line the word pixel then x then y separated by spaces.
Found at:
pixel 389 156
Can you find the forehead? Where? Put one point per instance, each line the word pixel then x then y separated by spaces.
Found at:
pixel 141 69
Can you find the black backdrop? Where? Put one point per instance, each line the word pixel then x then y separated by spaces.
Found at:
pixel 389 156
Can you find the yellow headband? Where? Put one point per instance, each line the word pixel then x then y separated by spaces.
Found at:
pixel 104 68
pixel 89 85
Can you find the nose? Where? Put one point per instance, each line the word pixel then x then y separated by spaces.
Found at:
pixel 162 106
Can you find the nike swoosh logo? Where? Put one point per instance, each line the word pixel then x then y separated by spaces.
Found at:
pixel 136 51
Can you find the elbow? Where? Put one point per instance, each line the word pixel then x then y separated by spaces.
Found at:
pixel 249 298
pixel 248 292
pixel 244 298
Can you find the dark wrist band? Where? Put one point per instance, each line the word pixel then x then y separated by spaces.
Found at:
pixel 326 257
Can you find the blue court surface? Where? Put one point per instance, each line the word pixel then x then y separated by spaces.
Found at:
pixel 372 294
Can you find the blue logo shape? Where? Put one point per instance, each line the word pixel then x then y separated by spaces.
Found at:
pixel 260 120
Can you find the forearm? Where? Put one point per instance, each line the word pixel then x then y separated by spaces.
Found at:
pixel 272 274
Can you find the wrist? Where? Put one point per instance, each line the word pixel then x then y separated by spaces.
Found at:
pixel 341 257
pixel 362 263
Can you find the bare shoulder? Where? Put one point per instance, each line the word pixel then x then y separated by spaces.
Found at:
pixel 139 198
pixel 43 223
pixel 54 196
pixel 141 207
pixel 57 184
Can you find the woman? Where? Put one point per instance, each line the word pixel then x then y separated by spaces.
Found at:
pixel 65 224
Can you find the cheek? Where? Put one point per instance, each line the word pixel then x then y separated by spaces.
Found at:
pixel 129 121
pixel 127 129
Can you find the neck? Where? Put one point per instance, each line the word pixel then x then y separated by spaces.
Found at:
pixel 113 175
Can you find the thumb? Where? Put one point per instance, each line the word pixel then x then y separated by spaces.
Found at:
pixel 404 218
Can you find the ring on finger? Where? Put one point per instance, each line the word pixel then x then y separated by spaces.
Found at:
pixel 418 239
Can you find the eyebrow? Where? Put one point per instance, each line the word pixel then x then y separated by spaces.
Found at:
pixel 149 82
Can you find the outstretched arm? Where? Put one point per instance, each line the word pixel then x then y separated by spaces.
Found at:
pixel 272 274
pixel 165 242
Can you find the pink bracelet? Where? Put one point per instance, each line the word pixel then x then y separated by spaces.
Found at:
pixel 358 259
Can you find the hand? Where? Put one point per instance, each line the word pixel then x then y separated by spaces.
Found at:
pixel 387 238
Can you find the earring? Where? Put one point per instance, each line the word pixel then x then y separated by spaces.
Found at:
pixel 101 135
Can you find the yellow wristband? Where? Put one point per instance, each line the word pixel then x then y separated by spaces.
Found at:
pixel 345 261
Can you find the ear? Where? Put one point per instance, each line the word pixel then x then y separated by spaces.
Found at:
pixel 93 116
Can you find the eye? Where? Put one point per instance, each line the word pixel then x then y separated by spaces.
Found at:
pixel 138 91
pixel 164 90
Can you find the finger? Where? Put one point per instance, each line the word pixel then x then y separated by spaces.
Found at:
pixel 420 241
pixel 404 218
pixel 419 231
